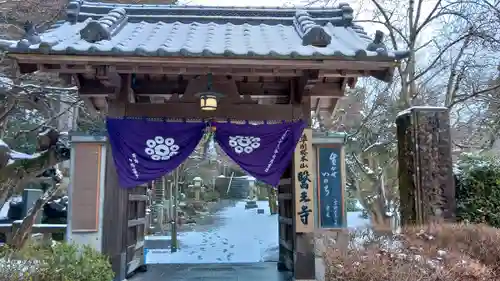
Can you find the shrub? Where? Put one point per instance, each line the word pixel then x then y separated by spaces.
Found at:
pixel 478 189
pixel 444 252
pixel 479 242
pixel 211 196
pixel 60 261
pixel 263 193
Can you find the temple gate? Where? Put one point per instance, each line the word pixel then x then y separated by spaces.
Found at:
pixel 199 64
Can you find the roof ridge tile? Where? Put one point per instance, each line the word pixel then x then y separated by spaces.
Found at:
pixel 105 27
pixel 79 10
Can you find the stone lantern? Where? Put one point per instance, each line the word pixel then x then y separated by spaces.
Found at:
pixel 197 187
pixel 253 190
pixel 251 203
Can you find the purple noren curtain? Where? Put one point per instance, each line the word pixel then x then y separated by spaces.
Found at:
pixel 264 151
pixel 144 150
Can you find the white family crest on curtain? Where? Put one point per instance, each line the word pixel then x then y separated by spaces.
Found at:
pixel 144 150
pixel 161 148
pixel 263 151
pixel 244 144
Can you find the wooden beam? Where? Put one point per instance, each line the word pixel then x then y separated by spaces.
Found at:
pixel 236 72
pixel 224 111
pixel 285 181
pixel 135 222
pixel 137 197
pixel 115 214
pixel 327 90
pixel 316 106
pixel 220 84
pixel 94 87
pixel 303 84
pixel 252 89
pixel 343 86
pixel 169 86
pixel 284 220
pixel 212 62
pixel 284 196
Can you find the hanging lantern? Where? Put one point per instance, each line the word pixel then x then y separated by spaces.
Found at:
pixel 209 99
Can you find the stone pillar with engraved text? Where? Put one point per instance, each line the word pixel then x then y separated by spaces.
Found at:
pixel 426 183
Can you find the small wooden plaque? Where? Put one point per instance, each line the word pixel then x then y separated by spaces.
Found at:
pixel 86 187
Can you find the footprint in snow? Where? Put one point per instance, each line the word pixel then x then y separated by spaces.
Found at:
pixel 200 257
pixel 225 250
pixel 232 246
pixel 202 249
pixel 219 259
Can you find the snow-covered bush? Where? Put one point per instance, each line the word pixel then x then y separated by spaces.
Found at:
pixel 211 196
pixel 60 261
pixel 478 189
pixel 439 252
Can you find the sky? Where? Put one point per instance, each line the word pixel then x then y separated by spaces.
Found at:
pixel 363 9
pixel 241 3
pixel 286 3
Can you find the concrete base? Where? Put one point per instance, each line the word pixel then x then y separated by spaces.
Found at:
pixel 320 269
pixel 213 272
pixel 251 205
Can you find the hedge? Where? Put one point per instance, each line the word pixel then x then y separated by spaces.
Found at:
pixel 477 179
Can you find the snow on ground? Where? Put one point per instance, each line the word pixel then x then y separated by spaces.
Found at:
pixel 243 237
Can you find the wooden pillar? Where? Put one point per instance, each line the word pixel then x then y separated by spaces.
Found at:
pixel 426 183
pixel 304 256
pixel 86 191
pixel 115 215
pixel 115 220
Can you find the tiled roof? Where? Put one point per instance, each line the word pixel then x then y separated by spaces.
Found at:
pixel 94 28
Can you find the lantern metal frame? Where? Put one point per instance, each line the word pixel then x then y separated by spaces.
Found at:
pixel 206 96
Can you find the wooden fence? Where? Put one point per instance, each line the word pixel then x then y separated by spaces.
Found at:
pixel 45 230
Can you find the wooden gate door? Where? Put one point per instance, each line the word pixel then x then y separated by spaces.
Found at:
pixel 286 232
pixel 136 228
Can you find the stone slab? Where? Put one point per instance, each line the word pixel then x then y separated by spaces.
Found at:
pixel 213 272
